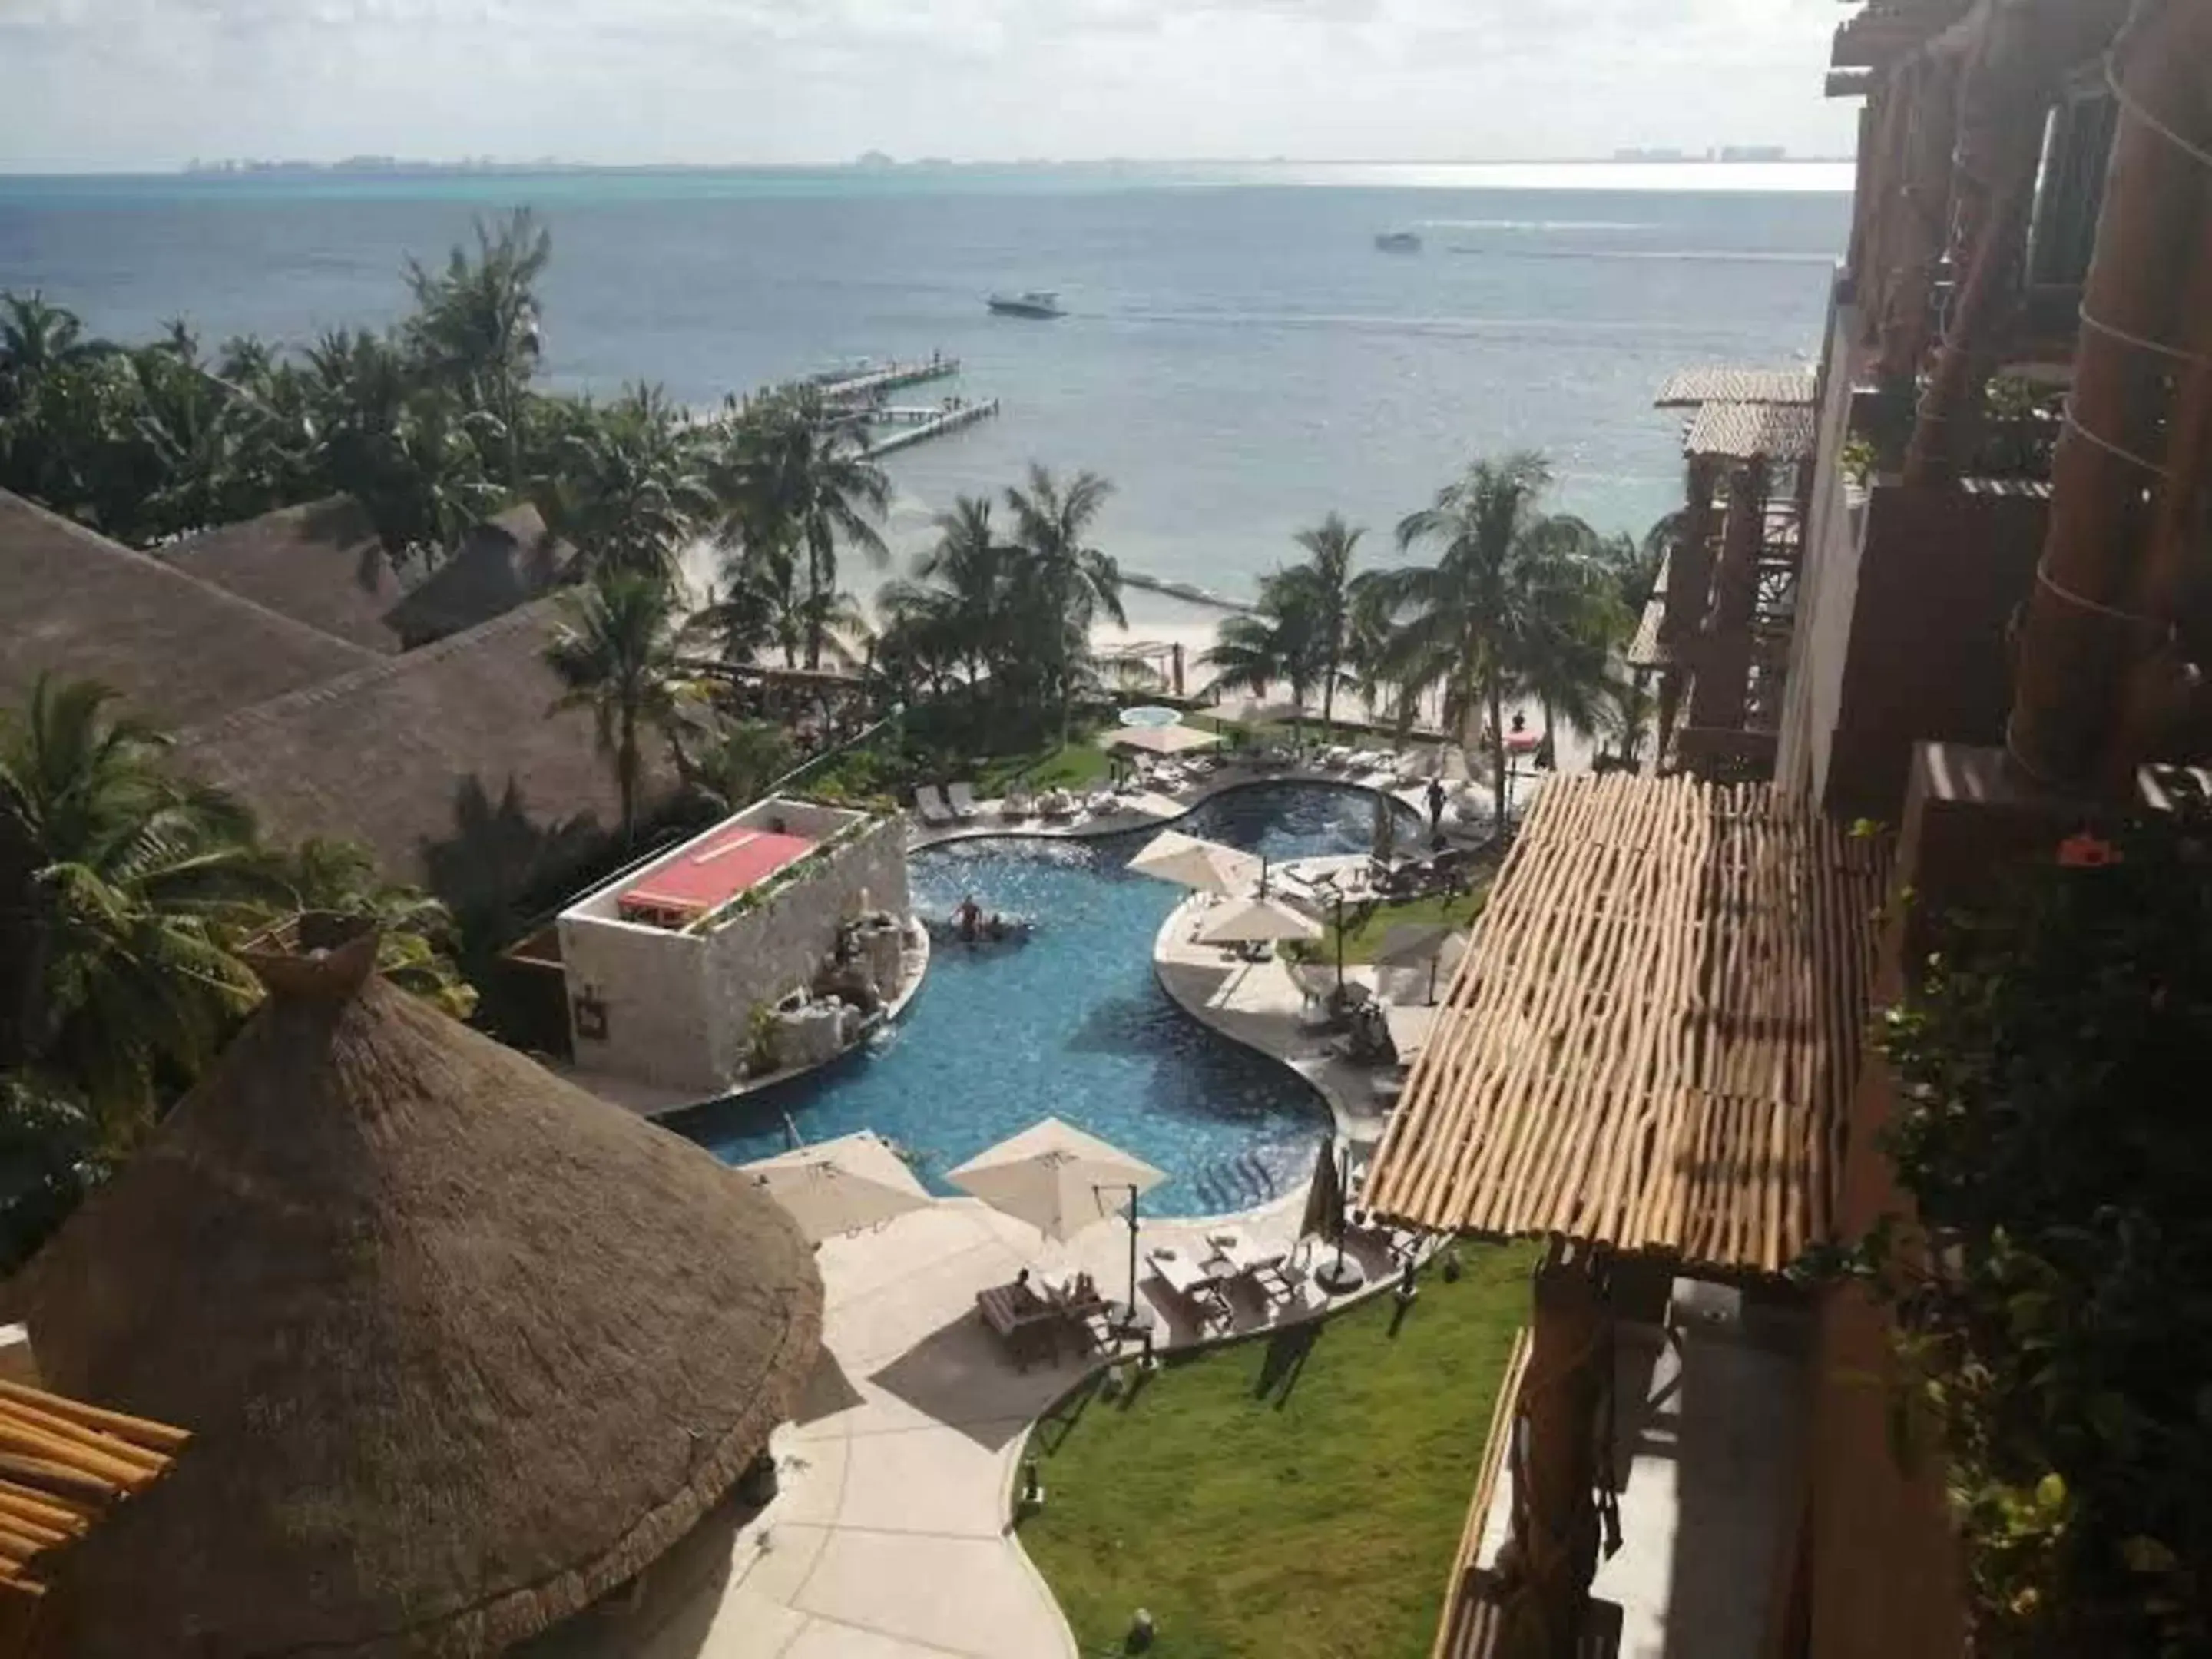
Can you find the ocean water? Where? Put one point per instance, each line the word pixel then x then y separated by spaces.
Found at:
pixel 1238 357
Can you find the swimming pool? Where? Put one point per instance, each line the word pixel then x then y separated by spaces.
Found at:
pixel 1072 1023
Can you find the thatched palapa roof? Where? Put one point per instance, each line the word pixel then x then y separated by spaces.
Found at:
pixel 460 1348
pixel 72 603
pixel 322 564
pixel 382 755
pixel 506 562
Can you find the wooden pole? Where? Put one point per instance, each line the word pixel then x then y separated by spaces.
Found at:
pixel 1716 695
pixel 1551 1556
pixel 2081 637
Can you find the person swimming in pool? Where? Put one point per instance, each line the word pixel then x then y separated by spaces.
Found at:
pixel 967 919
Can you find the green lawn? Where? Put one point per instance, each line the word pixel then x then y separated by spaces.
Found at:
pixel 1080 764
pixel 1293 1497
pixel 1363 937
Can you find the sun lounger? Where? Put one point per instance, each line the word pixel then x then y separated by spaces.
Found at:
pixel 1280 1279
pixel 934 812
pixel 961 797
pixel 1025 1322
pixel 1187 1279
pixel 1015 805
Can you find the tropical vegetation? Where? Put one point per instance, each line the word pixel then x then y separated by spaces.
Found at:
pixel 127 896
pixel 2046 1275
pixel 1518 603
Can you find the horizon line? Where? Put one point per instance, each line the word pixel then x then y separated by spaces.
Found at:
pixel 203 168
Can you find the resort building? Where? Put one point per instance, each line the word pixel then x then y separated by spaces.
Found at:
pixel 461 1349
pixel 701 967
pixel 1950 587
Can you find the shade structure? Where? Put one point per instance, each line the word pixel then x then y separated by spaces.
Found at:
pixel 460 1347
pixel 1257 921
pixel 1160 739
pixel 1205 865
pixel 840 1186
pixel 1055 1177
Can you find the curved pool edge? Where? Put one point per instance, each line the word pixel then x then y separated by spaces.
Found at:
pixel 894 1011
pixel 1121 823
pixel 1179 978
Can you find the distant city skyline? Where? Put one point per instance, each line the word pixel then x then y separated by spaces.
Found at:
pixel 146 85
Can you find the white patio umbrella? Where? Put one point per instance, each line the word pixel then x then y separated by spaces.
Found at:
pixel 1205 865
pixel 1257 921
pixel 839 1186
pixel 1060 1181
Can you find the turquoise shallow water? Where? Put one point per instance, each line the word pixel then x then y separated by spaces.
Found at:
pixel 1072 1024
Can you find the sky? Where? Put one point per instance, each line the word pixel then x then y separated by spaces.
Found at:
pixel 102 85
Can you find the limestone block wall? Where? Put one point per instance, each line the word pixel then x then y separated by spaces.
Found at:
pixel 650 985
pixel 775 944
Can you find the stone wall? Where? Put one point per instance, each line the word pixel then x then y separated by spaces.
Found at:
pixel 678 1006
pixel 650 982
pixel 776 944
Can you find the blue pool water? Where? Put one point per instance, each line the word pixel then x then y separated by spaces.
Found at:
pixel 1071 1023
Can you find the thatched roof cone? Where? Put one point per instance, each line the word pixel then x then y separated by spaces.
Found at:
pixel 460 1347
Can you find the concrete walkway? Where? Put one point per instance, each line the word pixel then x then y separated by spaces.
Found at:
pixel 889 1538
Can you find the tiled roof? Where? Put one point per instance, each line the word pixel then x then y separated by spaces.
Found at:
pixel 1686 387
pixel 1743 432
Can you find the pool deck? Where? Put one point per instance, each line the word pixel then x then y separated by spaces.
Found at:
pixel 890 1537
pixel 1147 809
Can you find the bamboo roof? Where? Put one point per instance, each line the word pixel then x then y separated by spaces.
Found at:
pixel 1687 387
pixel 63 1465
pixel 1750 431
pixel 1652 1040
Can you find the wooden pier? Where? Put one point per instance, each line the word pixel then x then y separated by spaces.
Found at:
pixel 926 424
pixel 884 377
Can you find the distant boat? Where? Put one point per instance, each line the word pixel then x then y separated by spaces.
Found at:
pixel 1036 302
pixel 1398 241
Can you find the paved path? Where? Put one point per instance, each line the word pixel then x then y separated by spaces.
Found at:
pixel 888 1539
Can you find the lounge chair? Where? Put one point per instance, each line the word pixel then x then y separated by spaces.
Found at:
pixel 1281 1278
pixel 1187 1281
pixel 961 797
pixel 934 812
pixel 1054 803
pixel 1015 805
pixel 1025 1322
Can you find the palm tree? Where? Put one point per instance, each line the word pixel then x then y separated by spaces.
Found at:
pixel 136 881
pixel 737 761
pixel 794 480
pixel 475 327
pixel 615 652
pixel 1059 582
pixel 416 935
pixel 956 609
pixel 1510 605
pixel 1323 585
pixel 1281 642
pixel 630 491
